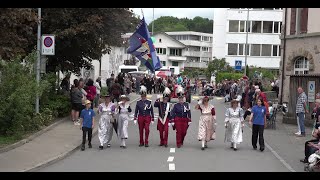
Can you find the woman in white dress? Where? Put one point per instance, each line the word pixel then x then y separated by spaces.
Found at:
pixel 125 114
pixel 106 122
pixel 234 122
pixel 207 122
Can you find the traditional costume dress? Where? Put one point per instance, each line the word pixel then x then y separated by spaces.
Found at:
pixel 206 124
pixel 125 114
pixel 164 118
pixel 144 115
pixel 233 123
pixel 106 123
pixel 180 119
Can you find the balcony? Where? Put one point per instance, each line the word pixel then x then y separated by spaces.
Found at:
pixel 177 58
pixel 192 53
pixel 195 65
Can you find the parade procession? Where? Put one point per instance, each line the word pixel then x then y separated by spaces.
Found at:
pixel 188 90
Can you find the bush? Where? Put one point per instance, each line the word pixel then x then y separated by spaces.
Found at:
pixel 230 76
pixel 18 89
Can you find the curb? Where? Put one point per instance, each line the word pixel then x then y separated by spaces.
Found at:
pixel 31 137
pixel 64 155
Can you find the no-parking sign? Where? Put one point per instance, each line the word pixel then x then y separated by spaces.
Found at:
pixel 47 45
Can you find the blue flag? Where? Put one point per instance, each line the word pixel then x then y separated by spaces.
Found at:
pixel 142 47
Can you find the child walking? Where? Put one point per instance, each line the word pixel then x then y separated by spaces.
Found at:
pixel 87 124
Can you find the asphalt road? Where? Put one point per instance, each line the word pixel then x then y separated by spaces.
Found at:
pixel 218 157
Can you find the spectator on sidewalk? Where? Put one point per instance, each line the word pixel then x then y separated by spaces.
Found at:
pixel 84 98
pixel 110 82
pixel 98 90
pixel 301 110
pixel 87 124
pixel 308 148
pixel 76 101
pixel 258 120
pixel 116 91
pixel 91 91
pixel 65 84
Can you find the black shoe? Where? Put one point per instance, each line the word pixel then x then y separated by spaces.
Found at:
pixel 255 148
pixel 205 146
pixel 90 145
pixel 146 145
pixel 261 149
pixel 235 149
pixel 140 145
pixel 303 160
pixel 160 145
pixel 108 145
pixel 124 147
pixel 101 147
pixel 166 145
pixel 202 148
pixel 82 148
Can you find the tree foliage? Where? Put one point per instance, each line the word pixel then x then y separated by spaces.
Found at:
pixel 82 34
pixel 170 23
pixel 218 65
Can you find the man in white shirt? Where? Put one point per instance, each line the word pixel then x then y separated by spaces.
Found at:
pixel 98 88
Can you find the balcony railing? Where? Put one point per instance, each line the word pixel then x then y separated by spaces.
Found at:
pixel 195 64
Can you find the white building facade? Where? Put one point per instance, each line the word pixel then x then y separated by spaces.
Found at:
pixel 262 33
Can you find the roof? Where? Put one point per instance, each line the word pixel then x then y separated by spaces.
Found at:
pixel 304 75
pixel 173 39
pixel 189 33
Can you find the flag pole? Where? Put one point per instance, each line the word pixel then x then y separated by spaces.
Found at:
pixel 152 20
pixel 142 12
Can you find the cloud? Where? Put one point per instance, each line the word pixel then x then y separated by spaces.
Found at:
pixel 176 12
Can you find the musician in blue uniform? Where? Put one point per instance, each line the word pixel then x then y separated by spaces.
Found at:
pixel 144 115
pixel 164 117
pixel 180 118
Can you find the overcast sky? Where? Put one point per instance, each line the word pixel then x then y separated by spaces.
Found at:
pixel 176 12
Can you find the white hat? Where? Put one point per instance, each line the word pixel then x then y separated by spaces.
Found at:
pixel 317 100
pixel 258 90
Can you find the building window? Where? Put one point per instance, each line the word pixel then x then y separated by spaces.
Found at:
pixel 232 49
pixel 267 26
pixel 242 26
pixel 301 66
pixel 161 51
pixel 256 26
pixel 163 63
pixel 299 21
pixel 174 63
pixel 205 38
pixel 266 50
pixel 268 8
pixel 206 49
pixel 160 41
pixel 255 49
pixel 233 26
pixel 241 49
pixel 275 50
pixel 175 52
pixel 276 27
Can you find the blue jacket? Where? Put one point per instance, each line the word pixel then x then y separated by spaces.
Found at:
pixel 144 108
pixel 181 110
pixel 162 109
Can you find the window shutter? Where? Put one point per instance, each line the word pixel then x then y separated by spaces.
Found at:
pixel 304 20
pixel 293 21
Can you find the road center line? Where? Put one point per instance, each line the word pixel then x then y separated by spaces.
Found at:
pixel 277 155
pixel 170 159
pixel 172 167
pixel 172 150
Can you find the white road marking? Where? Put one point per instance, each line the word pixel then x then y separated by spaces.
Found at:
pixel 172 167
pixel 172 150
pixel 219 98
pixel 277 155
pixel 170 159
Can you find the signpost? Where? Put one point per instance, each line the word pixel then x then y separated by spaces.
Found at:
pixel 311 91
pixel 47 45
pixel 238 65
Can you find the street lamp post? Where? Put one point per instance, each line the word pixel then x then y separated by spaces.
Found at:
pixel 246 46
pixel 38 58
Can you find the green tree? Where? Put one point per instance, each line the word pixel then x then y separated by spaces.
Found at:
pixel 218 65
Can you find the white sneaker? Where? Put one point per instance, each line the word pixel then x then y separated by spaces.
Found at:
pixel 297 133
pixel 76 123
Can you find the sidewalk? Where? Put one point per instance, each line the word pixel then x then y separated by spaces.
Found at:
pixel 49 147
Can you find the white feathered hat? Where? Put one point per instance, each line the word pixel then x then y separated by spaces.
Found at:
pixel 180 91
pixel 166 92
pixel 143 90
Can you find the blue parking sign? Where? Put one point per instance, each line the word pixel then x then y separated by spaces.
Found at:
pixel 238 65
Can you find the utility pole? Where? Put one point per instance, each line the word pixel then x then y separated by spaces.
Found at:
pixel 246 47
pixel 38 58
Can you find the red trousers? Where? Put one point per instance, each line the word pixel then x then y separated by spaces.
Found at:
pixel 163 130
pixel 181 125
pixel 144 123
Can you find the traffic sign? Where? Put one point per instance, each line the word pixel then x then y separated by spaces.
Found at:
pixel 47 45
pixel 238 65
pixel 311 91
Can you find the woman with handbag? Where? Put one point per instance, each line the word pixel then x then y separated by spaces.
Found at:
pixel 233 123
pixel 105 129
pixel 207 122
